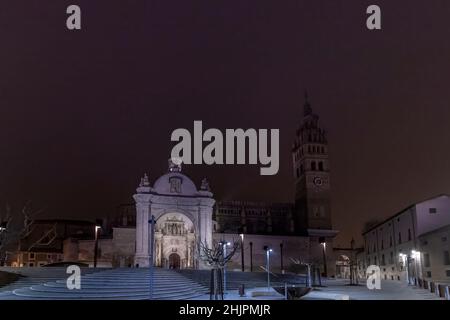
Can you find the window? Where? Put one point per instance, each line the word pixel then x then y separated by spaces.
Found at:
pixel 375 260
pixel 322 211
pixel 31 264
pixel 446 258
pixel 444 239
pixel 298 173
pixel 383 262
pixel 320 166
pixel 301 169
pixel 447 273
pixel 313 166
pixel 428 274
pixel 399 237
pixel 432 210
pixel 409 234
pixel 31 256
pixel 175 185
pixel 316 211
pixel 382 244
pixel 426 260
pixel 390 241
pixel 391 260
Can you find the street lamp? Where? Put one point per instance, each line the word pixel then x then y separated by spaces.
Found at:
pixel 150 256
pixel 224 245
pixel 405 261
pixel 322 241
pixel 251 256
pixel 242 252
pixel 415 255
pixel 98 227
pixel 268 251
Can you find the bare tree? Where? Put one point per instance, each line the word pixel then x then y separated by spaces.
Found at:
pixel 5 238
pixel 217 259
pixel 12 230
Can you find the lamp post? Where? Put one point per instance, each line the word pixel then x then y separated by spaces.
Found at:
pixel 242 252
pixel 281 258
pixel 224 245
pixel 98 227
pixel 150 256
pixel 324 245
pixel 405 261
pixel 3 228
pixel 268 251
pixel 415 255
pixel 251 256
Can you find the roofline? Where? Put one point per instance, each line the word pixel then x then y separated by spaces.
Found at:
pixel 85 222
pixel 402 211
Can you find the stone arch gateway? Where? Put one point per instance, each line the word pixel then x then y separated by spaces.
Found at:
pixel 183 217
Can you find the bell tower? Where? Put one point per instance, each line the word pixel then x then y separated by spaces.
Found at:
pixel 312 174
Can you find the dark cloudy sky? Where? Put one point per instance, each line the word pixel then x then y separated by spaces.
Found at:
pixel 84 114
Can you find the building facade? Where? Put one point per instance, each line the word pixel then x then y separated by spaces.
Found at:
pixel 413 244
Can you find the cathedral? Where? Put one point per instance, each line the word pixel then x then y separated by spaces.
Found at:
pixel 186 215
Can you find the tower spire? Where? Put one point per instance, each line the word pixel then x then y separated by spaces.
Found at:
pixel 307 110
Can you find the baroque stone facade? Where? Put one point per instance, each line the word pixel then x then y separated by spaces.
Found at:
pixel 183 217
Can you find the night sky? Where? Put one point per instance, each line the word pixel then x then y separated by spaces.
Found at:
pixel 84 114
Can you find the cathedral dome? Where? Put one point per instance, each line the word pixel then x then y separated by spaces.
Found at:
pixel 174 183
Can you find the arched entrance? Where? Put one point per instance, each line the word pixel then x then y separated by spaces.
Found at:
pixel 174 261
pixel 343 267
pixel 175 233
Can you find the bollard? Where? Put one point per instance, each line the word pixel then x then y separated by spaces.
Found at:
pixel 242 290
pixel 285 291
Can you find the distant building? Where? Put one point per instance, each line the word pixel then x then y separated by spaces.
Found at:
pixel 43 241
pixel 412 245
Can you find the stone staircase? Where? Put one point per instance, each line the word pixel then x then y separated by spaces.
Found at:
pixel 248 279
pixel 112 284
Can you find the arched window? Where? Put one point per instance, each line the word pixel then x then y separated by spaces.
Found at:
pixel 313 166
pixel 301 169
pixel 320 166
pixel 298 173
pixel 309 149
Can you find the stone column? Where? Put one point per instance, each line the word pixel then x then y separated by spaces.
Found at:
pixel 142 230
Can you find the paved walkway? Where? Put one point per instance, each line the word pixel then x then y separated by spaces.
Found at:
pixel 340 290
pixel 390 290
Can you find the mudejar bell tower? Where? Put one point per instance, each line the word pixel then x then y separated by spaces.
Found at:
pixel 312 174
